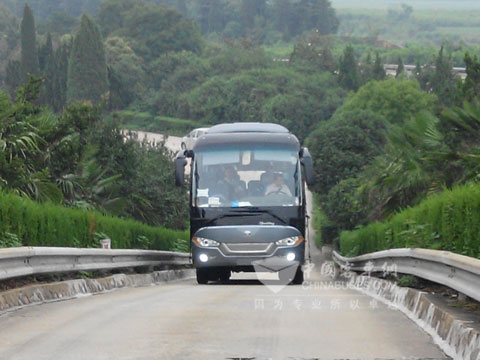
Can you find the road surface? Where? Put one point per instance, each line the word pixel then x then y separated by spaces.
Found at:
pixel 240 319
pixel 172 142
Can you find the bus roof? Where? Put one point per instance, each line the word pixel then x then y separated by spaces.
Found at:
pixel 213 141
pixel 248 127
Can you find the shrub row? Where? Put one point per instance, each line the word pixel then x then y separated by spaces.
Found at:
pixel 446 221
pixel 45 224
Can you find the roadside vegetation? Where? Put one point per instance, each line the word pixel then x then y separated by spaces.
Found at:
pixel 24 222
pixel 446 221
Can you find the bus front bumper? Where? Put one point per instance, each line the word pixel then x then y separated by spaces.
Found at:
pixel 280 257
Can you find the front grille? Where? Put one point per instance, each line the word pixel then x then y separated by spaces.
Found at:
pixel 247 248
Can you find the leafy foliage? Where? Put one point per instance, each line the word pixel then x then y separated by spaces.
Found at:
pixel 395 100
pixel 343 145
pixel 151 30
pixel 86 163
pixel 447 221
pixel 87 72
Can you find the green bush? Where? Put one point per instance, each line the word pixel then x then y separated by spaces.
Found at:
pixel 447 221
pixel 45 224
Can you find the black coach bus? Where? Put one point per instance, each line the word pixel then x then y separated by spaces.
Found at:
pixel 247 201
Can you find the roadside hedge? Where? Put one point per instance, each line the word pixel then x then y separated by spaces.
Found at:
pixel 446 221
pixel 45 224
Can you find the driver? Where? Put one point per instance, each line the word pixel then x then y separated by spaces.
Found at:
pixel 278 186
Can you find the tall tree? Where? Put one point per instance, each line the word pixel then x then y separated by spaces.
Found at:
pixel 49 71
pixel 249 9
pixel 283 17
pixel 211 15
pixel 443 82
pixel 87 72
pixel 418 70
pixel 366 68
pixel 29 56
pixel 61 58
pixel 400 68
pixel 378 70
pixel 471 87
pixel 348 75
pixel 44 52
pixel 319 15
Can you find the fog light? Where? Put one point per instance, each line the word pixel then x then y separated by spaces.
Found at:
pixel 291 256
pixel 203 258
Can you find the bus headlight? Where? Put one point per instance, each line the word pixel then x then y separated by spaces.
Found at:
pixel 291 241
pixel 202 242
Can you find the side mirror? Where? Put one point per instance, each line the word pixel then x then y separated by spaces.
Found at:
pixel 307 163
pixel 180 163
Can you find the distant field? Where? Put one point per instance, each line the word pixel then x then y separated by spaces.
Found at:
pixel 431 22
pixel 416 4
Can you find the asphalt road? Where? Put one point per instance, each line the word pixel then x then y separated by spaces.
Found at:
pixel 172 142
pixel 240 319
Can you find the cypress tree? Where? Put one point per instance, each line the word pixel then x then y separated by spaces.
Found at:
pixel 87 71
pixel 418 70
pixel 443 82
pixel 378 70
pixel 29 56
pixel 348 75
pixel 367 68
pixel 471 86
pixel 49 72
pixel 61 74
pixel 400 68
pixel 44 52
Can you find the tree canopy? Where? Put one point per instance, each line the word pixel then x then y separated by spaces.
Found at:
pixel 87 72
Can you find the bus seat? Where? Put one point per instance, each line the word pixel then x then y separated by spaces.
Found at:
pixel 255 188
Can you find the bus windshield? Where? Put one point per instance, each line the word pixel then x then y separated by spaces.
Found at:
pixel 238 176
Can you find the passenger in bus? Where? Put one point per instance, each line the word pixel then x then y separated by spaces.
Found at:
pixel 278 187
pixel 231 186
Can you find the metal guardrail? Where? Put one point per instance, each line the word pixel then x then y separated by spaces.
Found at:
pixel 17 262
pixel 461 273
